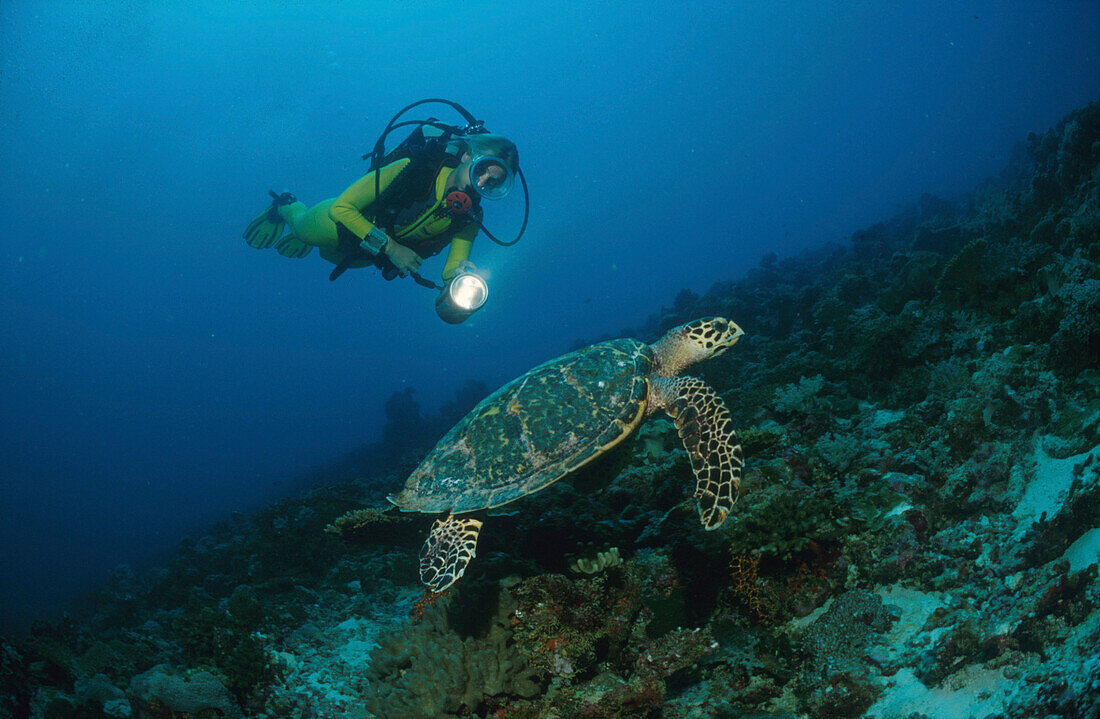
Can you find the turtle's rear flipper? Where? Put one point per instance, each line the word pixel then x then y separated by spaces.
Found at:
pixel 703 421
pixel 448 549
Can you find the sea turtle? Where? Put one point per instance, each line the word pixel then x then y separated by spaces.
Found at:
pixel 561 415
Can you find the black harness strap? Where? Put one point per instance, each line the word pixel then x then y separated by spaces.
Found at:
pixel 414 183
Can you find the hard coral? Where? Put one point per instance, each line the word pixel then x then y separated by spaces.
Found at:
pixel 212 635
pixel 429 670
pixel 962 278
pixel 1076 345
pixel 802 397
pixel 746 585
pixel 565 626
pixel 837 683
pixel 184 693
pixel 362 521
pixel 783 524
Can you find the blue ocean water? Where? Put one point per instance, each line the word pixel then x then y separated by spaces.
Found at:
pixel 158 374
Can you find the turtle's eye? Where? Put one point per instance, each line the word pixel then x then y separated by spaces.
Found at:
pixel 721 327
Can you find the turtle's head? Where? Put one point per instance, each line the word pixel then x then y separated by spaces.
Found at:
pixel 712 335
pixel 694 342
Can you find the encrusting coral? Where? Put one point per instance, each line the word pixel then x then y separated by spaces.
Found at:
pixel 182 693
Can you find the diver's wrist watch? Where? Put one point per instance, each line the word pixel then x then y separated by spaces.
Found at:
pixel 375 241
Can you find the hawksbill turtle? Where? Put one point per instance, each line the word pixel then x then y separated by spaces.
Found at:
pixel 563 414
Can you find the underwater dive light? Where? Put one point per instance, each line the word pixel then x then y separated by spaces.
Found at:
pixel 463 295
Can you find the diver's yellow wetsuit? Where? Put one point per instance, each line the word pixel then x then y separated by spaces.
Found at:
pixel 422 228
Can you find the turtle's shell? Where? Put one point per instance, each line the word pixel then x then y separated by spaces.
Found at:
pixel 533 430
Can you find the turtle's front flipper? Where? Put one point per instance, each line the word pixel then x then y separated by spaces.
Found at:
pixel 703 421
pixel 448 549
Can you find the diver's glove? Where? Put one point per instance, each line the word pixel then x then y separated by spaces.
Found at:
pixel 404 259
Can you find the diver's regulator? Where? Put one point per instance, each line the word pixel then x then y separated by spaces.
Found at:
pixel 488 176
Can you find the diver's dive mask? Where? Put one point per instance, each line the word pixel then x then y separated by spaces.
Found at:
pixel 490 177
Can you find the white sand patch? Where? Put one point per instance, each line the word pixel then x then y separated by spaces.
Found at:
pixel 358 641
pixel 1085 551
pixel 1048 488
pixel 899 508
pixel 885 417
pixel 972 693
pixel 916 607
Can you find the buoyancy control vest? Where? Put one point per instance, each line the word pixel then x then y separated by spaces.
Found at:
pixel 403 202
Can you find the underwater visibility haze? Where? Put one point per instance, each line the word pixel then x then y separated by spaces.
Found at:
pixel 897 202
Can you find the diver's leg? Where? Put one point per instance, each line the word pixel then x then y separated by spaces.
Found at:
pixel 311 225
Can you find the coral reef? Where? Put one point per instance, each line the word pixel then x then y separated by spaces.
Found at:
pixel 918 533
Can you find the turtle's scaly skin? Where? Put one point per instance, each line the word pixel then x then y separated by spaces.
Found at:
pixel 535 429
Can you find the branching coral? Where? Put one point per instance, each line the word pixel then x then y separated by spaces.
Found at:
pixel 840 453
pixel 361 521
pixel 783 524
pixel 759 441
pixel 802 397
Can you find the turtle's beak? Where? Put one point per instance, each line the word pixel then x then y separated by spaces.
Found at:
pixel 735 333
pixel 729 333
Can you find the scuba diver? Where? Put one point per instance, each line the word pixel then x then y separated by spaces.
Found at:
pixel 414 201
